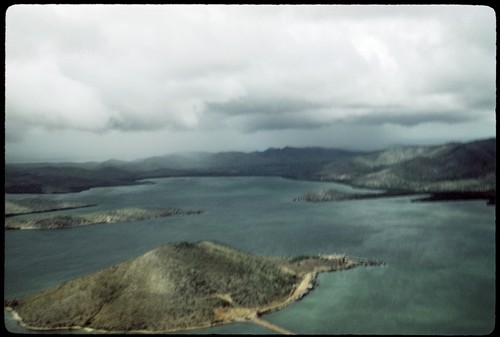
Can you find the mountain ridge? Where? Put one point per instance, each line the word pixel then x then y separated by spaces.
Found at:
pixel 469 166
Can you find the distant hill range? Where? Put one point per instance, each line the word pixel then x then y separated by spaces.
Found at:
pixel 452 167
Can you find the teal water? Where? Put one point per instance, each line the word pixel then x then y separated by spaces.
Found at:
pixel 439 277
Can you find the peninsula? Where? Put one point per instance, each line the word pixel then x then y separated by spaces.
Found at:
pixel 334 195
pixel 103 217
pixel 178 286
pixel 37 205
pixel 324 195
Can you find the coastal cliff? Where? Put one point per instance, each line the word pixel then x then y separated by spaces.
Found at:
pixel 175 287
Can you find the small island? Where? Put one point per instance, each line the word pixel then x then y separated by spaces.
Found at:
pixel 103 217
pixel 178 286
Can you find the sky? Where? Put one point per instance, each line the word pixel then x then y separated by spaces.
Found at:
pixel 95 82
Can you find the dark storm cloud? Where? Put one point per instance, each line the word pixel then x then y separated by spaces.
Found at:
pixel 409 120
pixel 259 105
pixel 265 122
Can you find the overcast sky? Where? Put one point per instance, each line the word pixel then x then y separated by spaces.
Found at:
pixel 126 82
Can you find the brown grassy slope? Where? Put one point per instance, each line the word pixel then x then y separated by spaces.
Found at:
pixel 169 288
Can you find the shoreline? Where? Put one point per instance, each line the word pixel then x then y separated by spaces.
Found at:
pixel 231 315
pixel 97 218
pixel 452 195
pixel 8 215
pixel 489 196
pixel 305 286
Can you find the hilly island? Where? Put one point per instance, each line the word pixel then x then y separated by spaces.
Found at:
pixel 450 169
pixel 178 286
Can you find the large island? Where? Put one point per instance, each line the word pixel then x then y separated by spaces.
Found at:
pixel 178 286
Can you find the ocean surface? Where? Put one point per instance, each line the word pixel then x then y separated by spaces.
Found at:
pixel 439 276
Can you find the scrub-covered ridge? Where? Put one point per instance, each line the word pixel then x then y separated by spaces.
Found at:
pixel 177 286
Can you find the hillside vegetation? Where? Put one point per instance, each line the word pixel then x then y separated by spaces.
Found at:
pixel 453 167
pixel 450 167
pixel 174 287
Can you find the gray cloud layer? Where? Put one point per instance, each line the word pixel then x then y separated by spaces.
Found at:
pixel 248 68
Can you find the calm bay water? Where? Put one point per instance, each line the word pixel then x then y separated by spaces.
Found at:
pixel 439 277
